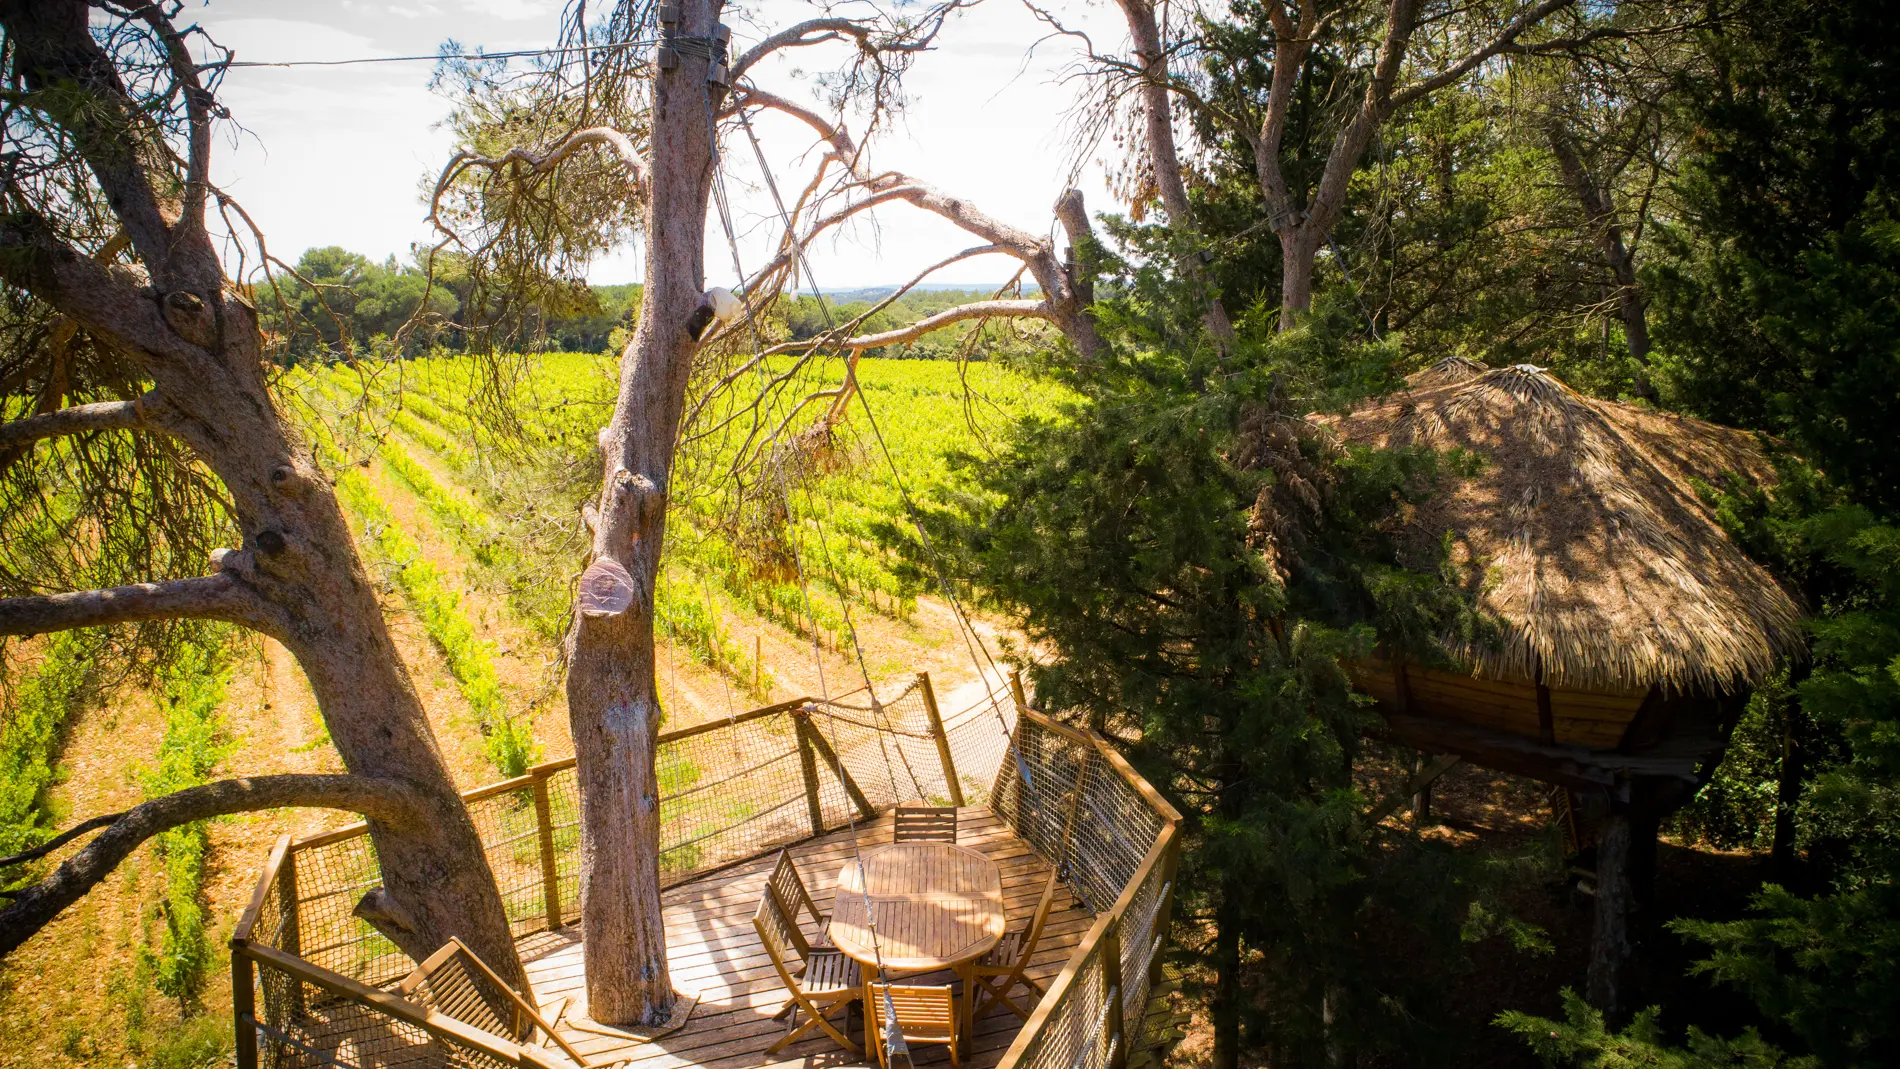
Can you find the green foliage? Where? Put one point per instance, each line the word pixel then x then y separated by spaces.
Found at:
pixel 508 742
pixel 1582 1039
pixel 1198 564
pixel 1735 809
pixel 37 710
pixel 1828 968
pixel 192 686
pixel 1777 308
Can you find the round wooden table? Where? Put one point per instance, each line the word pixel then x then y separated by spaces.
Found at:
pixel 938 906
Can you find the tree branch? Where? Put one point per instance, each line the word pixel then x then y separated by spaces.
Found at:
pixel 974 310
pixel 93 294
pixel 541 162
pixel 389 801
pixel 74 82
pixel 198 105
pixel 1505 39
pixel 210 597
pixel 79 419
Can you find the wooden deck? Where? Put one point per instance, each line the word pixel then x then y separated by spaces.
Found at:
pixel 713 949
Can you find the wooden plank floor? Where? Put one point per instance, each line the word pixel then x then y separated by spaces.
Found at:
pixel 713 949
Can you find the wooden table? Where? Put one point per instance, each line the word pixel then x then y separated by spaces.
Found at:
pixel 938 906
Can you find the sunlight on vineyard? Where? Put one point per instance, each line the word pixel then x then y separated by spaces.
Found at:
pixel 502 482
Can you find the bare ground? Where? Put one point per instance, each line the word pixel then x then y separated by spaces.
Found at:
pixel 73 995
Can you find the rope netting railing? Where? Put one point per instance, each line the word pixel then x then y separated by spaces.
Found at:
pixel 311 982
pixel 1076 801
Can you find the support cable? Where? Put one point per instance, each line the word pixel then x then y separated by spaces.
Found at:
pixel 973 641
pixel 893 1036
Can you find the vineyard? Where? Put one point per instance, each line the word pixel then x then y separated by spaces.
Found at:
pixel 468 513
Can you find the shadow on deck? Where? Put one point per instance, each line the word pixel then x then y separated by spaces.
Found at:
pixel 713 949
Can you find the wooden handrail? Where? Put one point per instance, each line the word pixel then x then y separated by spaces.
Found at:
pixel 546 769
pixel 248 919
pixel 1039 1018
pixel 383 1002
pixel 1161 857
pixel 1163 854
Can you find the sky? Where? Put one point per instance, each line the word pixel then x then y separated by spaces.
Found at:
pixel 340 155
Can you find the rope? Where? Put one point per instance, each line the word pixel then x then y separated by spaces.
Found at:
pixel 893 1038
pixel 876 727
pixel 966 630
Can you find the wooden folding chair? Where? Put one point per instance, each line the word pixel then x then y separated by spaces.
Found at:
pixel 997 973
pixel 785 885
pixel 456 983
pixel 926 823
pixel 820 981
pixel 924 1015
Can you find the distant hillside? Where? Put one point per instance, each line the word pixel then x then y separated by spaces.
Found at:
pixel 873 294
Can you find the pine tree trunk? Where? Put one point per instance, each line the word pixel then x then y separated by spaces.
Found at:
pixel 1609 944
pixel 613 700
pixel 1226 1009
pixel 300 557
pixel 1299 249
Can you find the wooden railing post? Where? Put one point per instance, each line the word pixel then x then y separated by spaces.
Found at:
pixel 244 1006
pixel 808 770
pixel 865 808
pixel 1113 1032
pixel 550 870
pixel 943 740
pixel 1016 688
pixel 1164 911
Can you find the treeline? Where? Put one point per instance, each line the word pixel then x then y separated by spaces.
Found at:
pixel 337 302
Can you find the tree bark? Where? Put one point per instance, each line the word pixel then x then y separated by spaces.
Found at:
pixel 1600 218
pixel 1227 994
pixel 1609 943
pixel 393 802
pixel 1158 119
pixel 612 695
pixel 1299 250
pixel 198 341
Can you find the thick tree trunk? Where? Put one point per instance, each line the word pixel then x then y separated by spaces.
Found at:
pixel 1227 993
pixel 1158 113
pixel 1609 943
pixel 613 700
pixel 1299 249
pixel 297 576
pixel 299 555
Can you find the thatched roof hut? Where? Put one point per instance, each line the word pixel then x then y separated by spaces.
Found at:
pixel 1631 627
pixel 1600 560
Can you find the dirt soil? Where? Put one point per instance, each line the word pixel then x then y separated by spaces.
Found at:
pixel 74 995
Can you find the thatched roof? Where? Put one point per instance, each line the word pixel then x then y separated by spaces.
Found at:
pixel 1597 555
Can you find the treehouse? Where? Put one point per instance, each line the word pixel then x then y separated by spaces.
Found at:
pixel 1629 628
pixel 1024 907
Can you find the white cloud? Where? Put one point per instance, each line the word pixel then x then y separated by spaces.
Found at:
pixel 336 155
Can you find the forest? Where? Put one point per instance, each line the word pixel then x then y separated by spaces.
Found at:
pixel 1413 578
